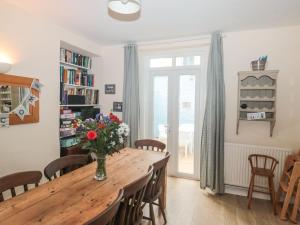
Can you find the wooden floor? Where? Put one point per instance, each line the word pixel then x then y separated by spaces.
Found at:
pixel 187 204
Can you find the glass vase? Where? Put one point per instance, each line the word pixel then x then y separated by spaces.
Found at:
pixel 101 167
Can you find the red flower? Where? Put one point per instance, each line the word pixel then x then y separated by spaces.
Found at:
pixel 75 125
pixel 91 135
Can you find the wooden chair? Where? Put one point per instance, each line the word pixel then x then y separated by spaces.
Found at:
pixel 289 185
pixel 155 188
pixel 262 165
pixel 64 165
pixel 109 215
pixel 149 144
pixel 131 212
pixel 10 182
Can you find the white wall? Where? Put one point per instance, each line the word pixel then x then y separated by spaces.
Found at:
pixel 282 45
pixel 33 46
pixel 112 70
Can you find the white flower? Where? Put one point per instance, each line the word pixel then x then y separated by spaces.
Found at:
pixel 121 140
pixel 113 143
pixel 120 130
pixel 125 129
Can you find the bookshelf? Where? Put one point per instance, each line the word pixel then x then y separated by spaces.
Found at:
pixel 79 98
pixel 76 80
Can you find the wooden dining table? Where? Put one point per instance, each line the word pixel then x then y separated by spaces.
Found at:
pixel 76 197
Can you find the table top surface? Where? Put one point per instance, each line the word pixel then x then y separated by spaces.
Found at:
pixel 76 197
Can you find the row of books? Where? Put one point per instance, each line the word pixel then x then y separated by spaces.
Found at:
pixel 75 58
pixel 66 123
pixel 76 77
pixel 91 97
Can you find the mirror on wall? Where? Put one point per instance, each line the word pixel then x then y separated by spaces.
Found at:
pixel 11 97
pixel 19 100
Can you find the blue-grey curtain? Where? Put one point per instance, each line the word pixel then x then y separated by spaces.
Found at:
pixel 131 113
pixel 212 139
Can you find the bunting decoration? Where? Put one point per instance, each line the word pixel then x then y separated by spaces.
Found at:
pixel 22 110
pixel 36 85
pixel 4 120
pixel 32 99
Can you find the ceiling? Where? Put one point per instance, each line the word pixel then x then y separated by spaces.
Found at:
pixel 163 19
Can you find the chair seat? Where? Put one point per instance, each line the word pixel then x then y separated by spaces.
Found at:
pixel 262 172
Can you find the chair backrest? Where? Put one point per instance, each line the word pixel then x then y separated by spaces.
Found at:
pixel 149 144
pixel 131 212
pixel 64 165
pixel 289 166
pixel 154 187
pixel 262 161
pixel 10 182
pixel 108 216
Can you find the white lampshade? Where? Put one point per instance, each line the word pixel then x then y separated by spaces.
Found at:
pixel 125 6
pixel 4 67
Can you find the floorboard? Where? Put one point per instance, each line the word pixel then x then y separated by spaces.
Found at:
pixel 187 204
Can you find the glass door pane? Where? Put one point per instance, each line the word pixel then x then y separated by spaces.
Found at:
pixel 160 108
pixel 186 124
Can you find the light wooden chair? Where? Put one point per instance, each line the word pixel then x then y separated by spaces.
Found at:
pixel 109 215
pixel 64 165
pixel 149 144
pixel 10 182
pixel 264 166
pixel 289 185
pixel 155 189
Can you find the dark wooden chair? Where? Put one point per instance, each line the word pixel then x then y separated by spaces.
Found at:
pixel 109 215
pixel 262 165
pixel 64 165
pixel 149 144
pixel 130 211
pixel 10 182
pixel 155 188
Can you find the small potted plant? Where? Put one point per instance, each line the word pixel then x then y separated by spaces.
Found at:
pixel 103 136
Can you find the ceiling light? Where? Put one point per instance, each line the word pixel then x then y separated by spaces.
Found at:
pixel 125 6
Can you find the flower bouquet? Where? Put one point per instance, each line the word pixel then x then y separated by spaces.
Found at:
pixel 103 136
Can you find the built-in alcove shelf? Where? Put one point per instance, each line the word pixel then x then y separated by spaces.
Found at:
pixel 257 93
pixel 73 65
pixel 79 96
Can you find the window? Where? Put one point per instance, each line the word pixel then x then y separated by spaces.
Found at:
pixel 188 61
pixel 175 61
pixel 160 62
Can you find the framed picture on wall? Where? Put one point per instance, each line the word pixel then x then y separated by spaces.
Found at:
pixel 117 106
pixel 110 89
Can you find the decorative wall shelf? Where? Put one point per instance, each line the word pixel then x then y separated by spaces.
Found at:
pixel 257 93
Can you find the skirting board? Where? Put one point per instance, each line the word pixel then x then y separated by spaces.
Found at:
pixel 242 191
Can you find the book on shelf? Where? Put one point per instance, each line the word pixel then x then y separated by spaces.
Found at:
pixel 76 77
pixel 75 58
pixel 96 97
pixel 88 96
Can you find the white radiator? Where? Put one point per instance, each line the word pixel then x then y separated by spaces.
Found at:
pixel 237 167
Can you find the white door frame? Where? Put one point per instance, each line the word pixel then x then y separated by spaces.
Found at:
pixel 173 117
pixel 200 96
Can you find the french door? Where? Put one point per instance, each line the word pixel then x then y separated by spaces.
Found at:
pixel 174 117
